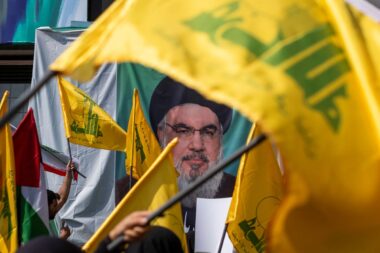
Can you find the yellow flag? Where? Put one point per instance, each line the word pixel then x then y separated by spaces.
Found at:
pixel 86 123
pixel 299 68
pixel 8 213
pixel 142 145
pixel 337 199
pixel 153 189
pixel 257 195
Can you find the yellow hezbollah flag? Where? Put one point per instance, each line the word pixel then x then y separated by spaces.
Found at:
pixel 153 189
pixel 86 123
pixel 8 213
pixel 257 195
pixel 334 211
pixel 299 69
pixel 142 145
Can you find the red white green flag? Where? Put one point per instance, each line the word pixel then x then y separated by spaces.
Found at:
pixel 55 161
pixel 32 205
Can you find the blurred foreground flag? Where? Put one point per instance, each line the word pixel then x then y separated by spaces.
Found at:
pixel 153 190
pixel 256 197
pixel 86 123
pixel 142 145
pixel 8 213
pixel 303 73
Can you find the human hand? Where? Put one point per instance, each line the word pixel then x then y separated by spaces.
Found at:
pixel 131 227
pixel 64 232
pixel 70 166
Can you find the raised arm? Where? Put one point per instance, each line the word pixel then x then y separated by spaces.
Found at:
pixel 64 190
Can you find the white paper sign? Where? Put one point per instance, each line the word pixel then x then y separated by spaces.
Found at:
pixel 210 220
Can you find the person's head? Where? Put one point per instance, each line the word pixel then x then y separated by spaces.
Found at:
pixel 199 124
pixel 52 203
pixel 48 244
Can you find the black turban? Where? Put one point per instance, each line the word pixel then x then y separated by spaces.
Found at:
pixel 170 93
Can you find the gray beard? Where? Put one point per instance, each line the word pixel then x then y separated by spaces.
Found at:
pixel 206 190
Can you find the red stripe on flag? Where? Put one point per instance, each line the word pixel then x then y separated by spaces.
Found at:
pixel 27 152
pixel 51 169
pixel 59 172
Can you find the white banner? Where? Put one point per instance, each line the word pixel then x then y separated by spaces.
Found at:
pixel 91 199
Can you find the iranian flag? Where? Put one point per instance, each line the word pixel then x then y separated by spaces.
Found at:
pixel 32 205
pixel 55 161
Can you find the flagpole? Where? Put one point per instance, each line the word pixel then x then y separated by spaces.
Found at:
pixel 24 98
pixel 133 147
pixel 130 178
pixel 182 194
pixel 71 158
pixel 133 140
pixel 222 239
pixel 68 146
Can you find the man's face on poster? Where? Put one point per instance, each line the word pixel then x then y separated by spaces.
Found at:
pixel 200 143
pixel 199 134
pixel 177 111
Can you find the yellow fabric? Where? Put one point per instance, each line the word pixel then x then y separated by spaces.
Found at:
pixel 153 189
pixel 333 203
pixel 86 123
pixel 371 33
pixel 257 195
pixel 297 67
pixel 142 145
pixel 8 213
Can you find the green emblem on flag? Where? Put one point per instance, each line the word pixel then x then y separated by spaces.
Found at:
pixel 317 72
pixel 248 227
pixel 6 212
pixel 91 125
pixel 221 21
pixel 139 146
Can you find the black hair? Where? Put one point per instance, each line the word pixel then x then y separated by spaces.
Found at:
pixel 52 196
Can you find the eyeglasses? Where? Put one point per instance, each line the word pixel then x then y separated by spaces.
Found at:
pixel 183 131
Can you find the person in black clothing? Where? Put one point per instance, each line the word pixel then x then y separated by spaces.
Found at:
pixel 134 230
pixel 199 124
